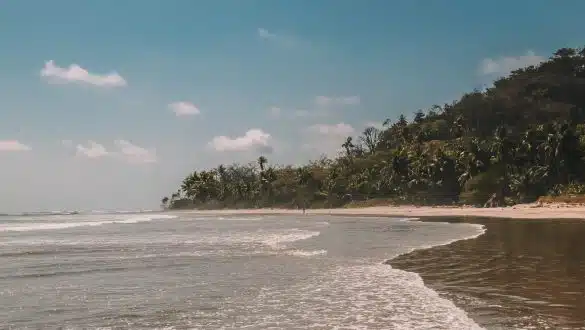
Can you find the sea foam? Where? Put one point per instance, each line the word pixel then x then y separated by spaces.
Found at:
pixel 64 224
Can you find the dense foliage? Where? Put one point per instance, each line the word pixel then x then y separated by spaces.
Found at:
pixel 520 139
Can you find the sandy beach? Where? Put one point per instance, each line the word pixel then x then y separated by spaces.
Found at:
pixel 522 211
pixel 524 271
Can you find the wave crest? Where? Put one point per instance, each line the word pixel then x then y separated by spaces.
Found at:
pixel 34 226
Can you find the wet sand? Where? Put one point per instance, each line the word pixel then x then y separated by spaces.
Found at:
pixel 526 272
pixel 519 274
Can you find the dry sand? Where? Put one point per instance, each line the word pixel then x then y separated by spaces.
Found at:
pixel 523 211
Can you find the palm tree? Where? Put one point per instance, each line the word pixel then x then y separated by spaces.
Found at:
pixel 164 202
pixel 261 162
pixel 222 176
pixel 348 146
pixel 458 150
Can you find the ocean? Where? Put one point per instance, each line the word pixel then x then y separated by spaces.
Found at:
pixel 183 271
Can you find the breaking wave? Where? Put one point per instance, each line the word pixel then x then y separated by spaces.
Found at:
pixel 46 225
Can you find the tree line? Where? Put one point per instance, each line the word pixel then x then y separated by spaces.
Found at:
pixel 521 138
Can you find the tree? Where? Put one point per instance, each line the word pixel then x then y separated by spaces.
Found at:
pixel 261 162
pixel 522 138
pixel 263 181
pixel 348 146
pixel 164 202
pixel 370 138
pixel 419 116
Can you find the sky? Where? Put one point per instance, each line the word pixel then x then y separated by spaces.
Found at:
pixel 108 105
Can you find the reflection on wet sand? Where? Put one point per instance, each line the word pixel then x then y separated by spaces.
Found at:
pixel 519 274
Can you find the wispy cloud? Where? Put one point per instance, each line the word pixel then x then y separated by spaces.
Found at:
pixel 312 113
pixel 374 124
pixel 76 74
pixel 327 138
pixel 320 106
pixel 135 154
pixel 280 39
pixel 92 150
pixel 184 109
pixel 67 143
pixel 335 130
pixel 275 111
pixel 302 113
pixel 502 66
pixel 326 101
pixel 124 149
pixel 13 145
pixel 263 33
pixel 253 139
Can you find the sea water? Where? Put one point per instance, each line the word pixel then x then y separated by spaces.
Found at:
pixel 183 271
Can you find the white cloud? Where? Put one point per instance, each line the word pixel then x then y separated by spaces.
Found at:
pixel 253 139
pixel 184 109
pixel 13 145
pixel 134 153
pixel 123 149
pixel 92 150
pixel 326 101
pixel 504 65
pixel 336 130
pixel 76 74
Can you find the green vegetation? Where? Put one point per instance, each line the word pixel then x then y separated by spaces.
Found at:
pixel 520 139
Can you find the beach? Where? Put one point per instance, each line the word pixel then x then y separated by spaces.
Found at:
pixel 163 271
pixel 525 271
pixel 520 274
pixel 521 211
pixel 235 270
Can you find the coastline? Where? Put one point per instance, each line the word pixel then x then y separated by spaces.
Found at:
pixel 500 276
pixel 516 268
pixel 520 211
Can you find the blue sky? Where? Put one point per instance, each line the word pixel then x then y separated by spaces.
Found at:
pixel 139 93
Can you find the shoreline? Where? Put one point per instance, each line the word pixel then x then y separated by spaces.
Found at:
pixel 520 211
pixel 441 291
pixel 474 272
pixel 507 271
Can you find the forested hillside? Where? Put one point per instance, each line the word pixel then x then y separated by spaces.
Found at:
pixel 520 139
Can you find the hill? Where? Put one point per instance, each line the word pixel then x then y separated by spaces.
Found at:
pixel 520 139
